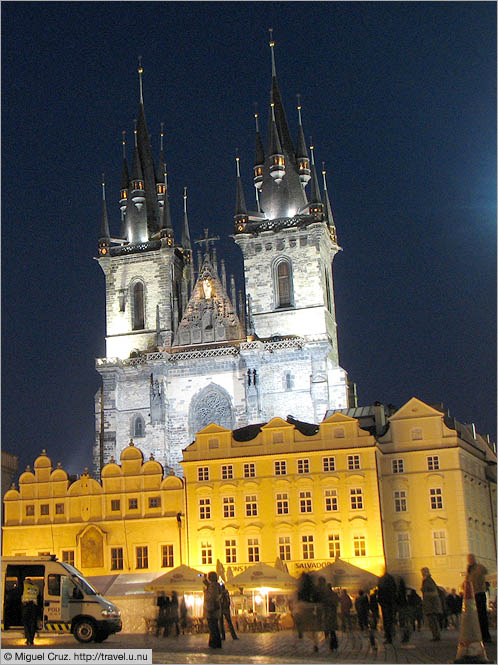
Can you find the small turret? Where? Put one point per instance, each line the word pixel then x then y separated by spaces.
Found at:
pixel 240 203
pixel 277 159
pixel 259 157
pixel 125 181
pixel 105 236
pixel 303 162
pixel 137 178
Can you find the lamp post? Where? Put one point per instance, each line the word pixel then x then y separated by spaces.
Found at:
pixel 179 521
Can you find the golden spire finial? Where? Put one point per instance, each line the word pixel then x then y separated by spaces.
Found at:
pixel 272 44
pixel 162 134
pixel 123 142
pixel 237 162
pixel 135 132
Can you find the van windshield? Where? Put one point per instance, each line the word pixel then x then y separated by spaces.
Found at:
pixel 78 579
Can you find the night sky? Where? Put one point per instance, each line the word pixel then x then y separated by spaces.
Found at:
pixel 400 100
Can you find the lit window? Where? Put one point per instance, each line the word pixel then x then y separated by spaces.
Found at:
pixel 30 510
pixel 433 463
pixel 115 504
pixel 228 506
pixel 282 503
pixel 331 500
pixel 353 462
pixel 328 463
pixel 303 466
pixel 305 502
pixel 403 542
pixel 142 556
pixel 59 509
pixel 400 501
pixel 251 505
pixel 439 540
pixel 436 495
pixel 249 470
pixel 132 504
pixel 230 551
pixel 283 284
pixel 206 553
pixel 308 547
pixel 280 468
pixel 226 471
pixel 253 550
pixel 203 473
pixel 68 557
pixel 138 306
pixel 167 558
pixel 284 551
pixel 204 509
pixel 116 558
pixel 154 502
pixel 356 495
pixel 339 433
pixel 44 509
pixel 397 466
pixel 359 546
pixel 417 434
pixel 334 546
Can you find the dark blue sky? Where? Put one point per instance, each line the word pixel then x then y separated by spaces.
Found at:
pixel 400 99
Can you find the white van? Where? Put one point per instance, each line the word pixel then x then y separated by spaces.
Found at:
pixel 66 601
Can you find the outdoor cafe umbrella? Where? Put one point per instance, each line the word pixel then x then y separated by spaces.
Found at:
pixel 261 575
pixel 343 574
pixel 181 579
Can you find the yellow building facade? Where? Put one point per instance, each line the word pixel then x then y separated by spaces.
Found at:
pixel 412 489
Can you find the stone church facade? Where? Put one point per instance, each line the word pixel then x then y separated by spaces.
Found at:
pixel 184 347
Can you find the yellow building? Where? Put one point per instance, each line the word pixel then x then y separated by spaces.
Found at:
pixel 403 488
pixel 127 523
pixel 303 493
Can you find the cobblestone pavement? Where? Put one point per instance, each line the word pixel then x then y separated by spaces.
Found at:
pixel 280 647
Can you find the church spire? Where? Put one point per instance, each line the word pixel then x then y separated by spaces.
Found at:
pixel 301 150
pixel 259 156
pixel 105 236
pixel 328 207
pixel 163 194
pixel 316 205
pixel 185 230
pixel 125 181
pixel 240 202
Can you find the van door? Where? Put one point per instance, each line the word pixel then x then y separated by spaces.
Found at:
pixel 13 588
pixel 56 605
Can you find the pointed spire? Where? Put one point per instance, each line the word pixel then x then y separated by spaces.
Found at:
pixel 301 151
pixel 240 203
pixel 185 231
pixel 315 187
pixel 104 227
pixel 140 73
pixel 166 224
pixel 277 164
pixel 272 46
pixel 259 156
pixel 328 207
pixel 125 181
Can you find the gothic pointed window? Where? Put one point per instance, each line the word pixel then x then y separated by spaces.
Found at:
pixel 138 306
pixel 283 284
pixel 211 405
pixel 138 427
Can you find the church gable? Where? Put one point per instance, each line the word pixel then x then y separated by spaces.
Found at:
pixel 210 315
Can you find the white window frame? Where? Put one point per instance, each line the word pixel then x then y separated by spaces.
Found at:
pixel 354 462
pixel 398 465
pixel 331 497
pixel 328 464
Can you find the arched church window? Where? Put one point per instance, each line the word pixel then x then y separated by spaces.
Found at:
pixel 211 405
pixel 138 427
pixel 283 283
pixel 138 306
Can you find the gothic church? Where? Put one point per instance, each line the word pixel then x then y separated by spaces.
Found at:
pixel 183 347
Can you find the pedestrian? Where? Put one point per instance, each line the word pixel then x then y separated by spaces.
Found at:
pixel 29 602
pixel 225 613
pixel 476 573
pixel 163 603
pixel 346 604
pixel 431 603
pixel 404 612
pixel 387 600
pixel 308 609
pixel 362 607
pixel 212 609
pixel 453 608
pixel 443 617
pixel 374 609
pixel 183 615
pixel 174 617
pixel 415 604
pixel 329 602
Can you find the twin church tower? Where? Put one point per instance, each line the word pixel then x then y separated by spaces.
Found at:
pixel 183 347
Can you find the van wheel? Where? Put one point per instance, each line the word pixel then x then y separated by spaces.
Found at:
pixel 101 636
pixel 85 630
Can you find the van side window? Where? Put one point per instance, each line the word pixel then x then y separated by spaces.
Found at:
pixel 54 585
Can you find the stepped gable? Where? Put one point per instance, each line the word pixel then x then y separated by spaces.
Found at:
pixel 210 315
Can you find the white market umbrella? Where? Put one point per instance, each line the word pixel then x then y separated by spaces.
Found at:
pixel 181 579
